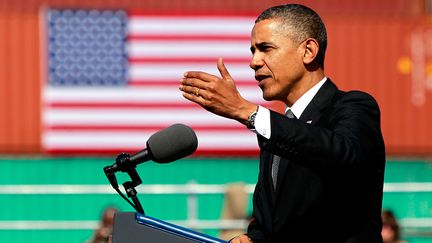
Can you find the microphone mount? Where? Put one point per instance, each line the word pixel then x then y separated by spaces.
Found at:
pixel 167 145
pixel 123 164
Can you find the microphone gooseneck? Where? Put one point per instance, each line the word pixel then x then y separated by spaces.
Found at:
pixel 165 146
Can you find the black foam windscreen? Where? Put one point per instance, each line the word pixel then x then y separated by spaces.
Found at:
pixel 172 143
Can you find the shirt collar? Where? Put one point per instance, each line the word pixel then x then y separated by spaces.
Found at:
pixel 300 105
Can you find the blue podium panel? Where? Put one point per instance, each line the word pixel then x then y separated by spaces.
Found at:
pixel 132 227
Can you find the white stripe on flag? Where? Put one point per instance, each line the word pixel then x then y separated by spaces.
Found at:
pixel 175 71
pixel 185 49
pixel 229 140
pixel 148 94
pixel 184 25
pixel 127 117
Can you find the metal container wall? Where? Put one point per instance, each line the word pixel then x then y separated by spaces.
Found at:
pixel 383 47
pixel 356 7
pixel 390 58
pixel 19 82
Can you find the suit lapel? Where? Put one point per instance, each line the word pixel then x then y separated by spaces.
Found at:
pixel 322 99
pixel 312 113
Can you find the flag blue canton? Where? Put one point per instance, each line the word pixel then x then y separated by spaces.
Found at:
pixel 87 48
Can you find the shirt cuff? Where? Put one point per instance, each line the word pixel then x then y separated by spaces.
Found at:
pixel 262 122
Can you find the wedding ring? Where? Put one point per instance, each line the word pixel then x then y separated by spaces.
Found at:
pixel 197 92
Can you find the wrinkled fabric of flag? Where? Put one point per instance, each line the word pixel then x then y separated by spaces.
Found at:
pixel 112 79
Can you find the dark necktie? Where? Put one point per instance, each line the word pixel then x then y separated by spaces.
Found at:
pixel 276 159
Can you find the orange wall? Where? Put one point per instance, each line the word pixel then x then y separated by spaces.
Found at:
pixel 368 39
pixel 19 82
pixel 377 55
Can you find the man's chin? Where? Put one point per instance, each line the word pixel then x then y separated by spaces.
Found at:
pixel 268 97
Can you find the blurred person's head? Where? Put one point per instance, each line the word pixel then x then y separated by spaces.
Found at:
pixel 235 201
pixel 108 216
pixel 234 208
pixel 390 230
pixel 106 224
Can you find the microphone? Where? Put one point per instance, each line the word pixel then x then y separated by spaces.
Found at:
pixel 165 146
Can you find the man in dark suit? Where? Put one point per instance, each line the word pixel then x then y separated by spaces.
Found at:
pixel 321 175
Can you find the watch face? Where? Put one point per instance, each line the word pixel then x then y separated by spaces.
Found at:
pixel 251 120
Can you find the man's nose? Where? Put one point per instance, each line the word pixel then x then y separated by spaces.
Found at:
pixel 256 62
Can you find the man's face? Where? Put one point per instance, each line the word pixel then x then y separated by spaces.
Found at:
pixel 277 60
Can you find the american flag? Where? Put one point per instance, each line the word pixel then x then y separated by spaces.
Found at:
pixel 113 76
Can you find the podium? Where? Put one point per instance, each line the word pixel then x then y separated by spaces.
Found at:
pixel 130 227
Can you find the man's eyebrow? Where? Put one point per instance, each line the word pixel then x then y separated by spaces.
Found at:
pixel 260 45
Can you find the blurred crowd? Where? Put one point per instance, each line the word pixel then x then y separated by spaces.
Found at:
pixel 105 227
pixel 235 207
pixel 391 230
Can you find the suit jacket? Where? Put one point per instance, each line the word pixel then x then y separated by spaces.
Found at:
pixel 330 178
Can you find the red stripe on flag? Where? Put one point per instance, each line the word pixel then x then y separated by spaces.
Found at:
pixel 120 105
pixel 144 82
pixel 175 14
pixel 112 152
pixel 234 127
pixel 157 38
pixel 191 60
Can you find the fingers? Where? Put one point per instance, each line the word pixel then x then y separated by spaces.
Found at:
pixel 206 77
pixel 193 82
pixel 222 69
pixel 194 86
pixel 200 79
pixel 235 240
pixel 198 99
pixel 200 76
pixel 193 90
pixel 216 94
pixel 241 239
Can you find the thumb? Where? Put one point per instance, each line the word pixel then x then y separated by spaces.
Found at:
pixel 222 69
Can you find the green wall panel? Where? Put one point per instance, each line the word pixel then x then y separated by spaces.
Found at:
pixel 51 236
pixel 88 171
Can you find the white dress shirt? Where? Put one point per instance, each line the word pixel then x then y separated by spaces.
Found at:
pixel 262 119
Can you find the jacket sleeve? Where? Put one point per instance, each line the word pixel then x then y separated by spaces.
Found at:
pixel 254 232
pixel 350 134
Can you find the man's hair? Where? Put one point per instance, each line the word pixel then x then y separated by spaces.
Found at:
pixel 302 23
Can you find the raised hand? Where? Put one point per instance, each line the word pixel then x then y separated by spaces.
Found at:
pixel 218 95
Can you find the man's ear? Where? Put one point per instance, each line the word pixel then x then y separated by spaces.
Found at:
pixel 311 49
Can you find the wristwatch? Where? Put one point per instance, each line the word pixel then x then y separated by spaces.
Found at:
pixel 251 120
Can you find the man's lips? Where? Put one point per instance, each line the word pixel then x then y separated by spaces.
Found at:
pixel 260 78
